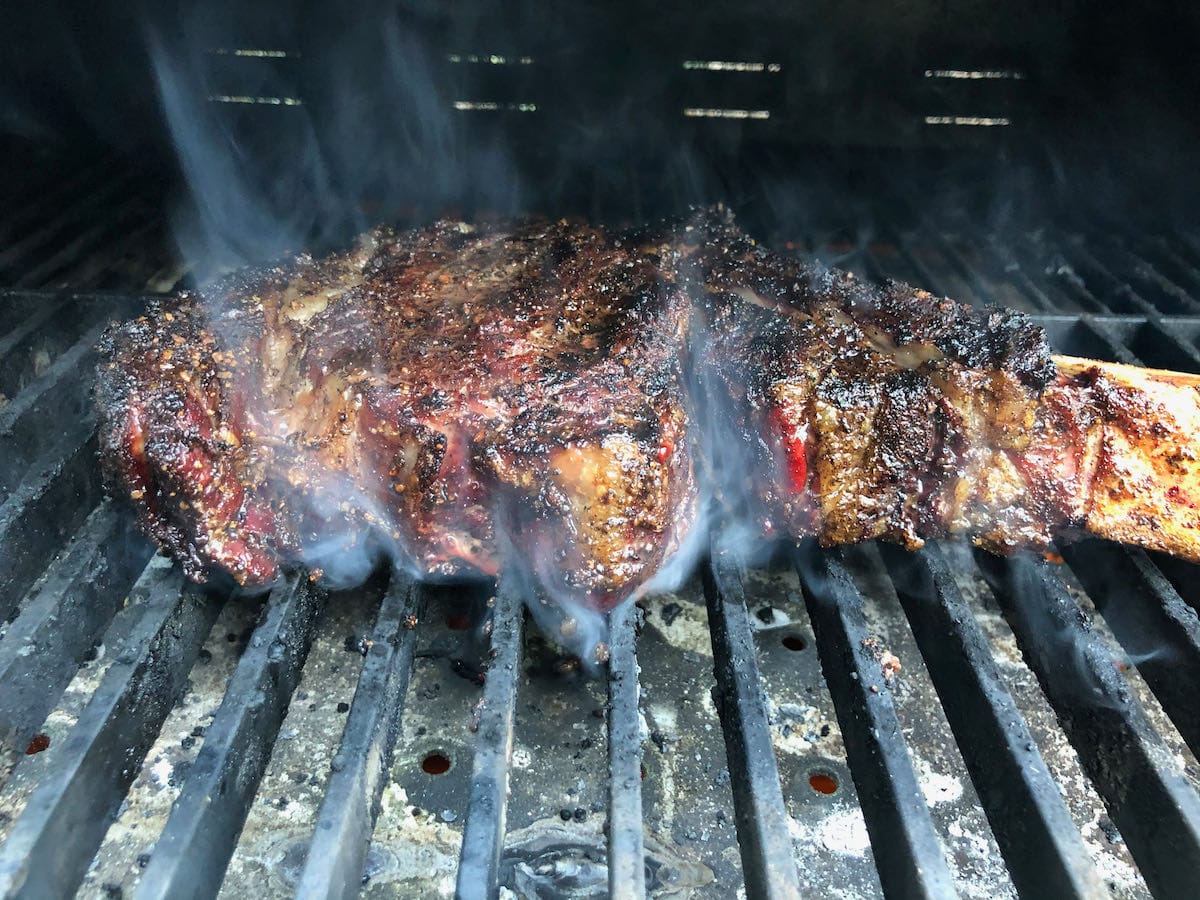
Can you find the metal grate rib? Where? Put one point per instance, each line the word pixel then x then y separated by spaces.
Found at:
pixel 53 842
pixel 360 768
pixel 59 622
pixel 758 801
pixel 626 851
pixel 906 846
pixel 1157 811
pixel 1041 847
pixel 1161 634
pixel 69 564
pixel 194 848
pixel 483 837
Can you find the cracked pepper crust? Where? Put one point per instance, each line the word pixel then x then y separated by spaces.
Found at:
pixel 449 389
pixel 538 391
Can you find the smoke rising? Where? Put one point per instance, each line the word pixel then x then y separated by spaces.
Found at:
pixel 309 136
pixel 287 144
pixel 300 138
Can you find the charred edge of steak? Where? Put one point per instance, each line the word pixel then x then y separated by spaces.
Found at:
pixel 456 383
pixel 904 316
pixel 164 445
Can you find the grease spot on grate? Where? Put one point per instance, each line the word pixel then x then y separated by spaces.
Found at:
pixel 435 763
pixel 39 743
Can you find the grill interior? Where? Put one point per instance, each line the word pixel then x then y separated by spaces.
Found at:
pixel 849 723
pixel 747 733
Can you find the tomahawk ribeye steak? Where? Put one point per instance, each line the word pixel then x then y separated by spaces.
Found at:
pixel 561 397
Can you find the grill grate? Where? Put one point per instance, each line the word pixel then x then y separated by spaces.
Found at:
pixel 626 849
pixel 984 716
pixel 483 837
pixel 1155 808
pixel 682 816
pixel 902 834
pixel 338 851
pixel 99 225
pixel 761 813
pixel 49 848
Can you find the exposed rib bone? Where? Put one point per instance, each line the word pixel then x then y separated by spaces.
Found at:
pixel 1145 488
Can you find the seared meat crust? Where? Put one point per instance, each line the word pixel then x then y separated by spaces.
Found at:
pixel 537 393
pixel 875 412
pixel 448 389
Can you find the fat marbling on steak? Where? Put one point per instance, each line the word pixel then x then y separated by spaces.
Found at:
pixel 538 392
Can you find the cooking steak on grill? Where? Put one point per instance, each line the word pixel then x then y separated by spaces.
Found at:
pixel 451 390
pixel 539 393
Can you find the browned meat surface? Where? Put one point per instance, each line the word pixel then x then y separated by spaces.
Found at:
pixel 884 412
pixel 451 390
pixel 876 412
pixel 538 392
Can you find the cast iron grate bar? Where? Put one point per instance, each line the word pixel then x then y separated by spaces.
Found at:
pixel 54 407
pixel 79 213
pixel 1148 275
pixel 64 618
pixel 1152 804
pixel 1068 278
pixel 15 307
pixel 1016 273
pixel 1168 257
pixel 907 852
pixel 119 220
pixel 1023 252
pixel 34 319
pixel 1098 337
pixel 360 768
pixel 971 273
pixel 61 327
pixel 1170 350
pixel 1100 283
pixel 1117 287
pixel 37 517
pixel 193 850
pixel 1187 245
pixel 1156 335
pixel 1086 336
pixel 1062 323
pixel 1156 628
pixel 761 816
pixel 1183 576
pixel 626 853
pixel 1114 349
pixel 1041 846
pixel 1191 242
pixel 53 841
pixel 1022 269
pixel 1034 280
pixel 487 801
pixel 122 261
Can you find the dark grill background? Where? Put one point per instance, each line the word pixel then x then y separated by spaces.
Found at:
pixel 1040 737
